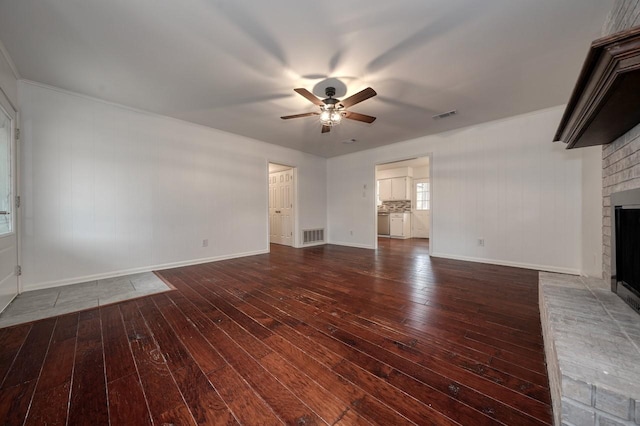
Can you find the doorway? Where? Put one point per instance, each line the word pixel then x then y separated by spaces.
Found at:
pixel 403 194
pixel 8 213
pixel 281 204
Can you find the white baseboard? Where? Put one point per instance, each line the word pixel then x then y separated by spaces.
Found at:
pixel 355 245
pixel 76 280
pixel 321 243
pixel 546 268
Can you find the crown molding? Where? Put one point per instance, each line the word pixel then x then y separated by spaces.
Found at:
pixel 7 57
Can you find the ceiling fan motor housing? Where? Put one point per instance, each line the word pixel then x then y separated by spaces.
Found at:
pixel 330 101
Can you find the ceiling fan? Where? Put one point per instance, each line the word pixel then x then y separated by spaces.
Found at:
pixel 332 110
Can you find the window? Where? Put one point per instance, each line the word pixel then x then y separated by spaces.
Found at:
pixel 422 196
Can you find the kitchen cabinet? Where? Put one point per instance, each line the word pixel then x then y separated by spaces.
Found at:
pixel 384 189
pixel 400 225
pixel 395 189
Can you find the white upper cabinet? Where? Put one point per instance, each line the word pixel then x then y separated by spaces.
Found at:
pixel 395 189
pixel 385 189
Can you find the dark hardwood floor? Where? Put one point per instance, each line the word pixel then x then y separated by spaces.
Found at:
pixel 322 335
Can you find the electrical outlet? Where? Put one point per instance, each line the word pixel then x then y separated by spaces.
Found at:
pixel 205 243
pixel 481 242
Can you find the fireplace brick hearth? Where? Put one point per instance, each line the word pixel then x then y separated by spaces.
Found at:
pixel 592 345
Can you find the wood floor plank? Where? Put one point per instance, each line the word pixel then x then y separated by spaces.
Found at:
pixel 203 353
pixel 88 403
pixel 51 397
pixel 246 405
pixel 204 403
pixel 127 403
pixel 29 359
pixel 14 402
pixel 320 335
pixel 11 340
pixel 166 403
pixel 117 353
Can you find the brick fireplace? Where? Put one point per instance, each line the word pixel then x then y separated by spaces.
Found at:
pixel 620 172
pixel 592 337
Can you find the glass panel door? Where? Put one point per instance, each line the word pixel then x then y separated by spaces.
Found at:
pixel 6 222
pixel 8 236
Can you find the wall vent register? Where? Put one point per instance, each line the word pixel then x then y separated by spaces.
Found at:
pixel 310 236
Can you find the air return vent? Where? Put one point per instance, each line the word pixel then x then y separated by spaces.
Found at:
pixel 445 115
pixel 310 236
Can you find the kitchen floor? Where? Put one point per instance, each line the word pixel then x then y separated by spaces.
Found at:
pixel 50 302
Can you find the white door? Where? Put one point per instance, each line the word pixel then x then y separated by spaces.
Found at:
pixel 281 207
pixel 421 208
pixel 274 225
pixel 8 223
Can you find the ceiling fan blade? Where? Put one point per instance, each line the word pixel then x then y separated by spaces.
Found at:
pixel 362 95
pixel 359 117
pixel 306 114
pixel 326 129
pixel 310 96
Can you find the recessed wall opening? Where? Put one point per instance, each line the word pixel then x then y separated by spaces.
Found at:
pixel 403 199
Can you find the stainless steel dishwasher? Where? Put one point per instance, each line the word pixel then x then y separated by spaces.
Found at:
pixel 384 226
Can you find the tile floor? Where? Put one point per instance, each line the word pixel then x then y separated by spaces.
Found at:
pixel 38 304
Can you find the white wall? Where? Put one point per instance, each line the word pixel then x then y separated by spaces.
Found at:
pixel 592 211
pixel 394 173
pixel 109 190
pixel 421 172
pixel 8 78
pixel 504 181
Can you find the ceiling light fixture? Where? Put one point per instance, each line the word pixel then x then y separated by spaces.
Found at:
pixel 332 110
pixel 330 116
pixel 331 113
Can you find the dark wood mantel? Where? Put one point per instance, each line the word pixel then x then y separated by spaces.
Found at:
pixel 605 103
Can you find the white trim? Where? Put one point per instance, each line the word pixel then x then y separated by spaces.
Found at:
pixel 2 308
pixel 76 280
pixel 5 54
pixel 321 243
pixel 546 268
pixel 345 244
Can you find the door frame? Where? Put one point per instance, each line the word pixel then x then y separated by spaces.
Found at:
pixel 6 104
pixel 429 155
pixel 294 224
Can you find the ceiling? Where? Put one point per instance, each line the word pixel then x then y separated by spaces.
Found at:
pixel 233 64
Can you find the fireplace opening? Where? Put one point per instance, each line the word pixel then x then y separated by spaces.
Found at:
pixel 625 271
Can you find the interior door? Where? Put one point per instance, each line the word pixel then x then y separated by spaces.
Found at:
pixel 8 225
pixel 274 220
pixel 421 208
pixel 281 207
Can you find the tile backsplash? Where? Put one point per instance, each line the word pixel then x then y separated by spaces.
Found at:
pixel 395 206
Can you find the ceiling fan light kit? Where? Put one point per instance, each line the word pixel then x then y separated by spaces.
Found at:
pixel 332 110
